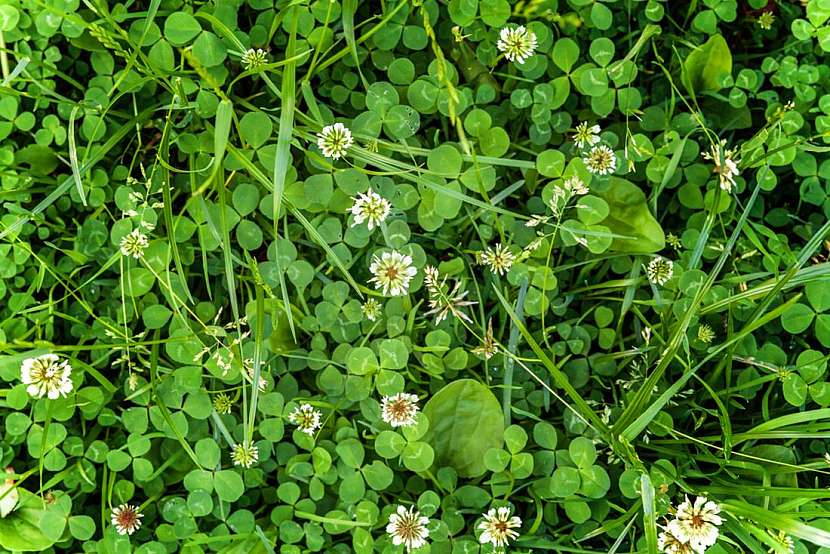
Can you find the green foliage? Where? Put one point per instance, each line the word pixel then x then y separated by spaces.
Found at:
pixel 581 277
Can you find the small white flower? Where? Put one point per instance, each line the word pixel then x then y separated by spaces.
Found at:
pixel 601 160
pixel 127 519
pixel 306 418
pixel 9 497
pixel 371 309
pixel 498 259
pixel 245 455
pixel 392 272
pixel 726 165
pixel 252 59
pixel 696 524
pixel 134 243
pixel 498 527
pixel 46 375
pixel 334 140
pixel 408 528
pixel 586 136
pixel 576 186
pixel 669 544
pixel 400 409
pixel 659 270
pixel 370 207
pixel 517 43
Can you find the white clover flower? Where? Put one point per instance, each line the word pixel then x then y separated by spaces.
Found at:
pixel 601 160
pixel 408 528
pixel 400 409
pixel 9 497
pixel 696 524
pixel 586 136
pixel 306 418
pixel 46 375
pixel 576 186
pixel 517 43
pixel 371 309
pixel 726 164
pixel 334 140
pixel 245 455
pixel 252 59
pixel 392 272
pixel 659 270
pixel 127 519
pixel 498 259
pixel 669 544
pixel 498 527
pixel 134 243
pixel 222 403
pixel 370 207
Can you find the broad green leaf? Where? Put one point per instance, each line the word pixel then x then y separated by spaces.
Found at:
pixel 705 68
pixel 630 217
pixel 466 421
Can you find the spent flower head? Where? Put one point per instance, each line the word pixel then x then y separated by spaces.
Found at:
pixel 126 518
pixel 46 375
pixel 370 207
pixel 306 418
pixel 498 527
pixel 244 454
pixel 600 160
pixel 659 270
pixel 586 135
pixel 488 347
pixel 392 272
pixel 443 300
pixel 696 523
pixel 252 58
pixel 399 410
pixel 669 544
pixel 134 243
pixel 517 43
pixel 408 528
pixel 726 164
pixel 498 259
pixel 334 140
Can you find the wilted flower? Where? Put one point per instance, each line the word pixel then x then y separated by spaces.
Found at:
pixel 222 403
pixel 392 272
pixel 786 544
pixel 252 59
pixel 371 309
pixel 244 455
pixel 669 544
pixel 488 346
pixel 46 375
pixel 442 300
pixel 399 410
pixel 134 243
pixel 696 524
pixel 127 519
pixel 9 497
pixel 306 418
pixel 601 160
pixel 408 527
pixel 586 136
pixel 726 165
pixel 370 207
pixel 659 270
pixel 498 259
pixel 334 140
pixel 517 43
pixel 498 527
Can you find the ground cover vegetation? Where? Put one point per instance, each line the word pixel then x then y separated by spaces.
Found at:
pixel 446 276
